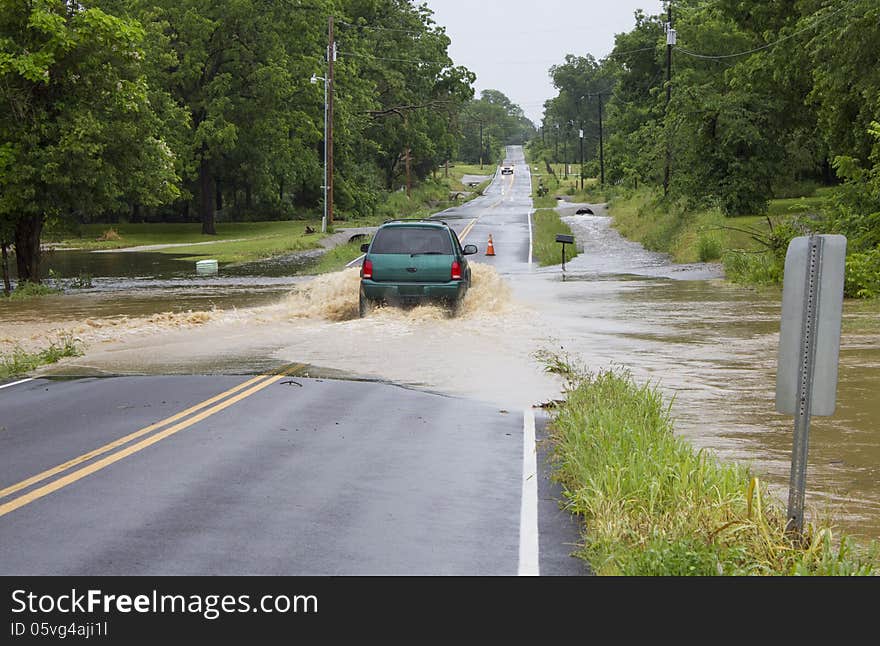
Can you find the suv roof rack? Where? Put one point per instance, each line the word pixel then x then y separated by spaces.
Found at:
pixel 415 220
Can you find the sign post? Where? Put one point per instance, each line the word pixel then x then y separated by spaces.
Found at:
pixel 564 239
pixel 809 347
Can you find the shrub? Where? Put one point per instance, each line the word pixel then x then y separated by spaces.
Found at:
pixel 862 278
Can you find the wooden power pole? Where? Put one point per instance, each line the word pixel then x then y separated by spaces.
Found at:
pixel 331 57
pixel 670 41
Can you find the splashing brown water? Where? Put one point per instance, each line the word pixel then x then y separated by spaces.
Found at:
pixel 318 323
pixel 35 336
pixel 711 347
pixel 334 297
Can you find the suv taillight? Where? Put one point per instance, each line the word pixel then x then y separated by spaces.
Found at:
pixel 456 270
pixel 367 269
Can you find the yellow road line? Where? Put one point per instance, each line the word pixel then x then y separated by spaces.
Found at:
pixel 46 489
pixel 470 225
pixel 123 440
pixel 467 229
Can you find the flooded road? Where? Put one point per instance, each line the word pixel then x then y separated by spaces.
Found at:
pixel 710 346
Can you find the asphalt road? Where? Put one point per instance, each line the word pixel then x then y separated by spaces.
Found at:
pixel 101 477
pixel 282 474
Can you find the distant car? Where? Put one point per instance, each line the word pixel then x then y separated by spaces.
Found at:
pixel 409 262
pixel 507 169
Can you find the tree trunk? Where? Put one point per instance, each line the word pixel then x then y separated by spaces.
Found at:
pixel 7 287
pixel 248 196
pixel 206 201
pixel 219 191
pixel 827 175
pixel 27 247
pixel 136 215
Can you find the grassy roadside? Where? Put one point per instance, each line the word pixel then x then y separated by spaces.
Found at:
pixel 547 222
pixel 241 242
pixel 751 248
pixel 18 362
pixel 652 505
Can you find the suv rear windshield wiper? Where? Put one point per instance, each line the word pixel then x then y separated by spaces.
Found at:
pixel 428 253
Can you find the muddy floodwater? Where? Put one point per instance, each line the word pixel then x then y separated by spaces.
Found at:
pixel 710 346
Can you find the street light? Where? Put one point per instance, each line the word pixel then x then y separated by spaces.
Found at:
pixel 315 78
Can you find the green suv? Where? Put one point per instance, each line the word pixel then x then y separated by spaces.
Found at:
pixel 409 262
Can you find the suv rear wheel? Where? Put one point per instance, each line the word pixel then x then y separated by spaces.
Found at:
pixel 364 305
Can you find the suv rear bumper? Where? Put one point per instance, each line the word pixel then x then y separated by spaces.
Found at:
pixel 406 293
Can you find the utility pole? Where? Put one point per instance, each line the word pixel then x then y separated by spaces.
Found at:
pixel 315 79
pixel 331 57
pixel 601 146
pixel 565 151
pixel 408 183
pixel 581 133
pixel 556 155
pixel 481 145
pixel 670 41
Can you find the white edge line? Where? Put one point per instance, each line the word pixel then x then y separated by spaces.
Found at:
pixel 528 514
pixel 15 383
pixel 355 260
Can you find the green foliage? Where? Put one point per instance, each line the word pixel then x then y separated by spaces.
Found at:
pixel 862 279
pixel 751 268
pixel 651 505
pixel 20 362
pixel 709 246
pixel 78 129
pixel 28 289
pixel 736 130
pixel 82 281
pixel 546 225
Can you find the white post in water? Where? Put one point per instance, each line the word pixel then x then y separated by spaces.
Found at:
pixel 809 347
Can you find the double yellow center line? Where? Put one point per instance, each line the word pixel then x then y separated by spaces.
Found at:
pixel 208 407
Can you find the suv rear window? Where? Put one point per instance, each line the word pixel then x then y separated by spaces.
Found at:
pixel 412 240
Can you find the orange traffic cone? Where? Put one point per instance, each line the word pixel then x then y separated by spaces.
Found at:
pixel 490 248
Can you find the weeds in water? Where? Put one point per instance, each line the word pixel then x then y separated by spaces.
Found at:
pixel 19 362
pixel 653 505
pixel 752 268
pixel 27 289
pixel 82 281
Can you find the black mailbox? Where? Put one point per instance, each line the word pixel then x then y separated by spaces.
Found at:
pixel 564 239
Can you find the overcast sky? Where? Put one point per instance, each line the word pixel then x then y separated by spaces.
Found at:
pixel 511 44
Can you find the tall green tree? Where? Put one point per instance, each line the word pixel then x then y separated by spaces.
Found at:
pixel 415 90
pixel 77 130
pixel 240 69
pixel 488 124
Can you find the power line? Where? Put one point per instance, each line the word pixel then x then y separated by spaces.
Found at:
pixel 631 51
pixel 768 45
pixel 372 28
pixel 397 60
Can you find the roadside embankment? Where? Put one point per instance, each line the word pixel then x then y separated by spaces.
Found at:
pixel 652 505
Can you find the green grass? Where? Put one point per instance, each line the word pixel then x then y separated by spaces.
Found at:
pixel 19 362
pixel 94 236
pixel 32 290
pixel 248 250
pixel 751 247
pixel 337 258
pixel 240 242
pixel 652 505
pixel 546 225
